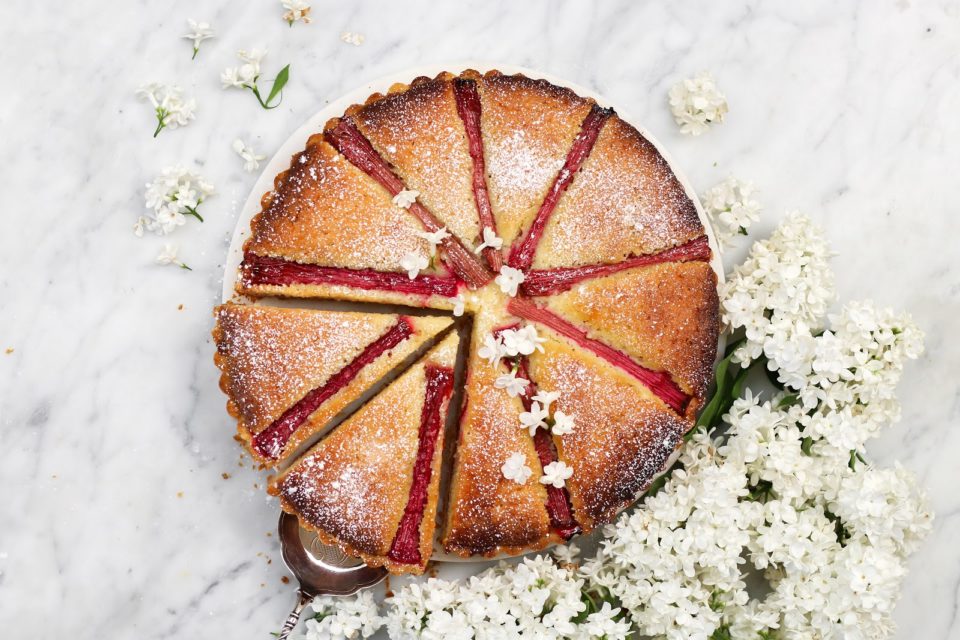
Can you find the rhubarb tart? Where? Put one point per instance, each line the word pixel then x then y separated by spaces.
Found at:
pixel 573 338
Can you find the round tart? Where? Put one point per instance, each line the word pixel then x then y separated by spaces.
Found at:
pixel 529 211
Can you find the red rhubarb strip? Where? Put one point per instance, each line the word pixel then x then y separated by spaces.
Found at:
pixel 265 270
pixel 270 442
pixel 549 281
pixel 468 106
pixel 406 543
pixel 348 140
pixel 558 498
pixel 659 382
pixel 521 256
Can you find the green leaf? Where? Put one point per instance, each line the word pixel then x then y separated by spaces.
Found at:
pixel 278 84
pixel 806 445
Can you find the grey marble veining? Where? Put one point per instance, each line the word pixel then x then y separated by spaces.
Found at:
pixel 116 520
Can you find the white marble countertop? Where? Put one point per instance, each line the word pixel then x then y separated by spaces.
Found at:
pixel 116 520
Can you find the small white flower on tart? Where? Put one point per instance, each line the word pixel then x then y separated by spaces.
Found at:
pixel 556 474
pixel 434 237
pixel 492 349
pixel 521 342
pixel 251 159
pixel 516 469
pixel 509 279
pixel 199 31
pixel 511 383
pixel 296 10
pixel 414 263
pixel 546 398
pixel 405 198
pixel 490 239
pixel 458 304
pixel 562 423
pixel 534 419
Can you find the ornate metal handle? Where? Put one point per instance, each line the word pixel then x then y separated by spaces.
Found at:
pixel 303 599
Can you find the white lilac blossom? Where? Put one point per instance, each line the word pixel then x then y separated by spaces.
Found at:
pixel 169 105
pixel 515 468
pixel 562 423
pixel 491 349
pixel 546 398
pixel 434 237
pixel 509 279
pixel 414 263
pixel 521 342
pixel 513 385
pixel 556 474
pixel 246 75
pixel 199 31
pixel 458 305
pixel 251 159
pixel 405 198
pixel 783 498
pixel 731 208
pixel 354 617
pixel 171 196
pixel 490 240
pixel 356 39
pixel 168 256
pixel 696 103
pixel 535 418
pixel 296 10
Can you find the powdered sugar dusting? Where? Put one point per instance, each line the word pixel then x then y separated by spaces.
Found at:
pixel 665 316
pixel 625 433
pixel 528 127
pixel 419 132
pixel 328 212
pixel 625 201
pixel 355 484
pixel 274 356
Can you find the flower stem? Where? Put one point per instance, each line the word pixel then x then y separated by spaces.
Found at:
pixel 196 50
pixel 190 211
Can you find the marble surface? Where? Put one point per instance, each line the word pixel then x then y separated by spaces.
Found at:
pixel 117 520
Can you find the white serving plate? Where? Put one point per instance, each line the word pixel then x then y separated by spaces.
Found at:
pixel 298 140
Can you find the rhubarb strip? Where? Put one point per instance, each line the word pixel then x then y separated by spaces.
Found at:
pixel 558 504
pixel 406 543
pixel 270 442
pixel 468 107
pixel 549 281
pixel 521 256
pixel 659 382
pixel 265 270
pixel 352 144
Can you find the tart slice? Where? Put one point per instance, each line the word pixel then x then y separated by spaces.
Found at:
pixel 329 230
pixel 287 372
pixel 623 434
pixel 624 202
pixel 488 514
pixel 528 128
pixel 664 316
pixel 371 486
pixel 419 132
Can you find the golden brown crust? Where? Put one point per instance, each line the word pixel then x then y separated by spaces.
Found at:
pixel 666 316
pixel 270 357
pixel 528 126
pixel 418 130
pixel 352 487
pixel 625 201
pixel 486 513
pixel 623 434
pixel 325 211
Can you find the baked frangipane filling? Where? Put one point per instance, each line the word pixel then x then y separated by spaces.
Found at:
pixel 581 265
pixel 287 372
pixel 370 486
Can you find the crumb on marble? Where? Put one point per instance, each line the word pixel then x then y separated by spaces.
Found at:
pixel 284 579
pixel 179 494
pixel 9 350
pixel 225 475
pixel 180 307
